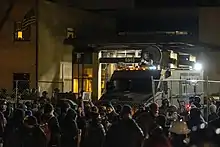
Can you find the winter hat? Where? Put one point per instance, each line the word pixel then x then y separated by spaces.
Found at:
pixel 126 110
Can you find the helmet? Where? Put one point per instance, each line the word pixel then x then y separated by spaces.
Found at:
pixel 197 99
pixel 172 108
pixel 165 102
pixel 179 127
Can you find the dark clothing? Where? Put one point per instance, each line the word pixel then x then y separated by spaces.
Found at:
pixel 177 140
pixel 146 120
pixel 13 136
pixel 61 118
pixel 212 116
pixel 54 128
pixel 95 135
pixel 34 137
pixel 113 117
pixel 125 133
pixel 157 141
pixel 163 110
pixel 196 134
pixel 69 133
pixel 195 121
pixel 13 133
pixel 212 130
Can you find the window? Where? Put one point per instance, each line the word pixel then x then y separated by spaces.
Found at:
pixel 21 33
pixel 71 33
pixel 18 34
pixel 85 80
pixel 21 81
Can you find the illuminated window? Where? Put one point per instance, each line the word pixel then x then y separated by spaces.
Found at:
pixel 87 79
pixel 20 36
pixel 87 85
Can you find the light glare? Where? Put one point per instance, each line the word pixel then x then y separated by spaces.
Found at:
pixel 153 68
pixel 198 66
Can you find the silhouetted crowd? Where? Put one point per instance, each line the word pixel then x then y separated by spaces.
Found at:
pixel 66 123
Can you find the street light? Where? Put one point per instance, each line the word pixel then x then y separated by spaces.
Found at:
pixel 197 66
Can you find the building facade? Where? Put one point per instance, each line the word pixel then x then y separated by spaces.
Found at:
pixel 16 57
pixel 46 62
pixel 42 58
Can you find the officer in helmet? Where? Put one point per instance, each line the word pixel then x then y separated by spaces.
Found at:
pixel 164 107
pixel 195 101
pixel 172 114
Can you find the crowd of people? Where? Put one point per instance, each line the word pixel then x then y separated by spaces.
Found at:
pixel 46 123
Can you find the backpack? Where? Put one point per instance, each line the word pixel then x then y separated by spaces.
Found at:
pixel 46 130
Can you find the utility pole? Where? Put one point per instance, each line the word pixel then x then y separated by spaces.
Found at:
pixel 37 40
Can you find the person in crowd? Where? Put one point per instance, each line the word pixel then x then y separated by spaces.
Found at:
pixel 111 114
pixel 14 130
pixel 157 138
pixel 125 132
pixel 147 119
pixel 3 123
pixel 165 105
pixel 172 114
pixel 94 109
pixel 197 124
pixel 213 114
pixel 118 108
pixel 161 120
pixel 33 136
pixel 49 119
pixel 179 134
pixel 95 132
pixel 63 112
pixel 44 98
pixel 195 118
pixel 104 118
pixel 141 109
pixel 69 129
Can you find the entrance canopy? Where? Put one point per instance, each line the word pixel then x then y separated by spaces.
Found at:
pixel 175 46
pixel 176 41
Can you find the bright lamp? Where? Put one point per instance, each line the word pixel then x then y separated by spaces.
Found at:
pixel 198 66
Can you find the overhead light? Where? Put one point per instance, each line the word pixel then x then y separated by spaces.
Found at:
pixel 197 66
pixel 152 67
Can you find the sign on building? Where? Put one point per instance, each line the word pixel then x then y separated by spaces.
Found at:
pixel 87 96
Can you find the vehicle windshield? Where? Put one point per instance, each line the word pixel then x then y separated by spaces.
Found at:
pixel 133 81
pixel 133 85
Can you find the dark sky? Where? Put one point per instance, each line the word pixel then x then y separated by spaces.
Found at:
pixel 175 3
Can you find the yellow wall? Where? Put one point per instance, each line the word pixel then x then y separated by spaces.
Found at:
pixel 54 19
pixel 16 56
